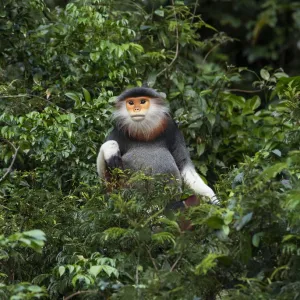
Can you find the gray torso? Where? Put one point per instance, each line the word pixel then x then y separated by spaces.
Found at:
pixel 152 158
pixel 166 154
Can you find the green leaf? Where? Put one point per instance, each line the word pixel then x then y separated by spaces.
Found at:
pixel 35 289
pixel 243 221
pixel 61 270
pixel 251 105
pixel 290 237
pixel 80 277
pixel 228 217
pixel 256 238
pixel 87 95
pixel 74 96
pixel 159 12
pixel 254 102
pixel 277 152
pixel 71 268
pixel 226 229
pixel 200 149
pixel 163 237
pixel 37 234
pixel 215 222
pixel 272 171
pixel 208 263
pixel 95 270
pixel 264 74
pixel 151 79
pixel 212 119
pixel 114 233
pixel 110 270
pixel 95 56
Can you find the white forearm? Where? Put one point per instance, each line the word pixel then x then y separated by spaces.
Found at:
pixel 194 181
pixel 107 150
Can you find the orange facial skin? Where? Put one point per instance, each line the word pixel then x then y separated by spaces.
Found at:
pixel 137 107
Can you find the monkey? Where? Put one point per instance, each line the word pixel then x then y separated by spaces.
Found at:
pixel 147 138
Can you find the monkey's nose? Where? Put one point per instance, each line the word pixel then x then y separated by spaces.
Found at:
pixel 136 109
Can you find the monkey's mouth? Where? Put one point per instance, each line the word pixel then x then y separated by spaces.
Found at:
pixel 138 117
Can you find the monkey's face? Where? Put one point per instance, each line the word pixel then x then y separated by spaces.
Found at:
pixel 137 107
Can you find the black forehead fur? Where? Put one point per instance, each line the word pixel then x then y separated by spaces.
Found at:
pixel 139 92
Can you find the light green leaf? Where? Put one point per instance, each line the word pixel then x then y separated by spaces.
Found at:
pixel 94 56
pixel 272 171
pixel 228 217
pixel 80 277
pixel 243 221
pixel 37 234
pixel 226 229
pixel 87 95
pixel 212 119
pixel 71 268
pixel 159 12
pixel 277 152
pixel 256 238
pixel 74 97
pixel 200 149
pixel 162 237
pixel 95 270
pixel 110 270
pixel 264 74
pixel 151 79
pixel 214 222
pixel 209 262
pixel 61 270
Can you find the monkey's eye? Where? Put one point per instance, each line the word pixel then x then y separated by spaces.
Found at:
pixel 143 101
pixel 130 102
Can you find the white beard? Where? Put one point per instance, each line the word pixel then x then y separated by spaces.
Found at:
pixel 153 118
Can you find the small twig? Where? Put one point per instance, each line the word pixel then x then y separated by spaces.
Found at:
pixel 15 96
pixel 177 44
pixel 152 259
pixel 210 51
pixel 175 263
pixel 79 293
pixel 32 96
pixel 137 277
pixel 243 91
pixel 194 13
pixel 13 160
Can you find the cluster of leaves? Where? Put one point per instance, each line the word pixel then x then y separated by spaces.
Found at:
pixel 59 74
pixel 266 32
pixel 11 255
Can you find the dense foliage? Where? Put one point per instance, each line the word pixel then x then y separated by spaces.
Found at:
pixel 64 235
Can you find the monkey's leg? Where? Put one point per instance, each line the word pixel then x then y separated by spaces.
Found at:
pixel 184 224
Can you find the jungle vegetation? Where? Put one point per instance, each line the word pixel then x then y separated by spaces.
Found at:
pixel 230 70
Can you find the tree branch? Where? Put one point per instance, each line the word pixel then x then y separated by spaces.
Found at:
pixel 32 96
pixel 177 44
pixel 243 91
pixel 175 263
pixel 13 160
pixel 194 13
pixel 79 293
pixel 152 259
pixel 210 51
